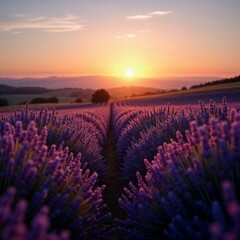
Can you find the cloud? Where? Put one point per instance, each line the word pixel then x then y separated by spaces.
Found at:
pixel 139 17
pixel 129 35
pixel 148 15
pixel 67 23
pixel 160 13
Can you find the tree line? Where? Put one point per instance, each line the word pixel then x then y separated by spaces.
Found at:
pixel 99 96
pixel 217 82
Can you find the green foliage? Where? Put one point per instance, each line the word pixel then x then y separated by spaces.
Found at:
pixel 3 102
pixel 5 89
pixel 45 100
pixel 100 96
pixel 78 100
pixel 38 100
pixel 52 100
pixel 217 82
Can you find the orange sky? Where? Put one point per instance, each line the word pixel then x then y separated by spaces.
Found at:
pixel 168 38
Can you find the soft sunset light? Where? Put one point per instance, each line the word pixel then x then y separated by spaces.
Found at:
pixel 129 73
pixel 155 38
pixel 119 119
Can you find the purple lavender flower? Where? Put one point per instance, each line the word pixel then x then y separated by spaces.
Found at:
pixel 13 224
pixel 181 191
pixel 51 177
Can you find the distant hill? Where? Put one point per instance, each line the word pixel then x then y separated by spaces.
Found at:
pixel 20 95
pixel 5 89
pixel 96 82
pixel 132 91
pixel 16 95
pixel 217 82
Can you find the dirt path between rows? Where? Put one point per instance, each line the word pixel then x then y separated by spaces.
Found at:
pixel 114 185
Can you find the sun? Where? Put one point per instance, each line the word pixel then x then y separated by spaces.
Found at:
pixel 129 73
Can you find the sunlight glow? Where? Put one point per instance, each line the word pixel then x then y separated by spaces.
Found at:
pixel 129 73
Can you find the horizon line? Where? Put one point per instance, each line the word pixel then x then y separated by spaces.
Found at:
pixel 120 77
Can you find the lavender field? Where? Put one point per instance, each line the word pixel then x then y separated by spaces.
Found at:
pixel 133 169
pixel 139 134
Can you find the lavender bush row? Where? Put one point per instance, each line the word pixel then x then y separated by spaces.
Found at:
pixel 121 118
pixel 53 177
pixel 148 129
pixel 83 131
pixel 137 126
pixel 191 189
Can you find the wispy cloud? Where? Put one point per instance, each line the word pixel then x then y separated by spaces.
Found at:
pixel 139 17
pixel 129 35
pixel 133 35
pixel 19 22
pixel 148 15
pixel 160 13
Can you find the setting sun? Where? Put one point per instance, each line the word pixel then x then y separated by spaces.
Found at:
pixel 129 73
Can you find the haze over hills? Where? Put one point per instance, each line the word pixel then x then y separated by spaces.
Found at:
pixel 22 94
pixel 96 82
pixel 19 95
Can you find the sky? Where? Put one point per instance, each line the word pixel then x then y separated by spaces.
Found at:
pixel 146 38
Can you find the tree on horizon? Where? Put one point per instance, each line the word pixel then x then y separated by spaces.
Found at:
pixel 100 96
pixel 3 102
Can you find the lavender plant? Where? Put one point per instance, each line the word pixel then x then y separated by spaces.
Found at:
pixel 140 132
pixel 13 223
pixel 52 177
pixel 221 229
pixel 146 146
pixel 137 126
pixel 181 194
pixel 82 131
